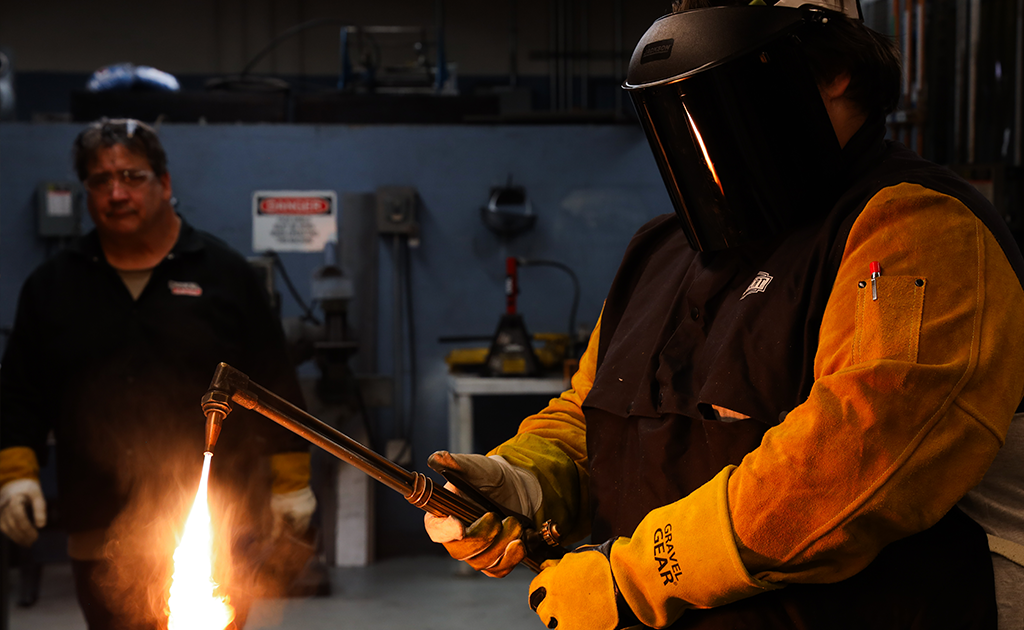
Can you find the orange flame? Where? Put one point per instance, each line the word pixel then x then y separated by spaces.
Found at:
pixel 703 149
pixel 193 605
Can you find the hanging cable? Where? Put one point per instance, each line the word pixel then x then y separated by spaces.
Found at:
pixel 306 309
pixel 526 262
pixel 295 30
pixel 364 35
pixel 402 325
pixel 398 352
pixel 411 416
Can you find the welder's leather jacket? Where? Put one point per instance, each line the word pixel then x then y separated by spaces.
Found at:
pixel 866 420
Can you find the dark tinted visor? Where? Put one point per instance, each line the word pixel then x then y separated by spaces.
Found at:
pixel 746 148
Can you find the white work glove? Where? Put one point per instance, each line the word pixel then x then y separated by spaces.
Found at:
pixel 15 496
pixel 294 508
pixel 490 545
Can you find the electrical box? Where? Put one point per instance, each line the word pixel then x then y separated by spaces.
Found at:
pixel 58 209
pixel 396 210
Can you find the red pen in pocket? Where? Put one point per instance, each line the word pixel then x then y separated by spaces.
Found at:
pixel 876 270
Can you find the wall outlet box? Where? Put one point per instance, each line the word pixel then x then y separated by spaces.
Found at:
pixel 58 209
pixel 396 209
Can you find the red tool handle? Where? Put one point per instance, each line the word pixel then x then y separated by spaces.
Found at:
pixel 511 284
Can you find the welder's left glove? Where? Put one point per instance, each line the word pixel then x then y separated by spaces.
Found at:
pixel 291 501
pixel 491 544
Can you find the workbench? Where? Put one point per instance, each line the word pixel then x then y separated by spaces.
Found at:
pixel 462 388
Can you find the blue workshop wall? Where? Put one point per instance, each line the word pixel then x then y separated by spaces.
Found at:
pixel 591 186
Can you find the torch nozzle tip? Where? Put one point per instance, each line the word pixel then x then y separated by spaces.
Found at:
pixel 213 426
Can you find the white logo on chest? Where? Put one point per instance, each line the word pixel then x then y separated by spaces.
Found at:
pixel 758 285
pixel 185 288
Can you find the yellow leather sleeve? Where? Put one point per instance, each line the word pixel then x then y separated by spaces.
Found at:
pixel 18 462
pixel 552 445
pixel 290 472
pixel 912 398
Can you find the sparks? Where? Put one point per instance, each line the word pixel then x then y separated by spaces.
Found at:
pixel 193 604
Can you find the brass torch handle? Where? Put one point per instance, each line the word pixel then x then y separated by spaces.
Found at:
pixel 229 384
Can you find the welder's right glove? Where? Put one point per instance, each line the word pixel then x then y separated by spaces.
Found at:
pixel 490 545
pixel 15 498
pixel 682 555
pixel 579 592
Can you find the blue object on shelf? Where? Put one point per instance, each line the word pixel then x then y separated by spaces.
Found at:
pixel 127 76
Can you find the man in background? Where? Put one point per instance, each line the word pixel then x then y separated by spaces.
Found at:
pixel 115 341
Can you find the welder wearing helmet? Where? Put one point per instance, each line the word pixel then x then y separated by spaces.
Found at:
pixel 795 378
pixel 114 342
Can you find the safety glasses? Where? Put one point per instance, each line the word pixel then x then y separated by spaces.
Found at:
pixel 104 182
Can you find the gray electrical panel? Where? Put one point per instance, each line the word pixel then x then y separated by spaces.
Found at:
pixel 396 210
pixel 58 209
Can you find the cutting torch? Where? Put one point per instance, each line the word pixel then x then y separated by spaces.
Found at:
pixel 230 385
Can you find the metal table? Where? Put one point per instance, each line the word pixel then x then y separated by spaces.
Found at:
pixel 462 388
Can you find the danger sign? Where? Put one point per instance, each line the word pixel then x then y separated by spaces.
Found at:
pixel 295 205
pixel 293 221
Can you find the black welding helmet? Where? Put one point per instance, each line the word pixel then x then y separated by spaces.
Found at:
pixel 735 119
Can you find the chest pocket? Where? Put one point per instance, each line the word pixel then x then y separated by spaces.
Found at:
pixel 889 327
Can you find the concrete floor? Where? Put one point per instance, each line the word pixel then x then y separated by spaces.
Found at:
pixel 424 593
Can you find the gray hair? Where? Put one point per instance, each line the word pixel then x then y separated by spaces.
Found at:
pixel 134 135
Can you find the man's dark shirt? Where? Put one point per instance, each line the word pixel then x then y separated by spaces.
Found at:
pixel 119 381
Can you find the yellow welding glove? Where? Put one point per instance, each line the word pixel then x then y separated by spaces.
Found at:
pixel 289 471
pixel 292 501
pixel 579 592
pixel 681 555
pixel 18 462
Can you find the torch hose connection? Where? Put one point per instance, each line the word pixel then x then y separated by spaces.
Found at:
pixel 230 385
